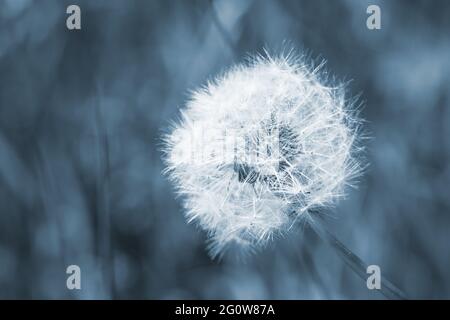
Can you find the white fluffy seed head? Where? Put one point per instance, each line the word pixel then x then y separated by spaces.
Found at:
pixel 259 147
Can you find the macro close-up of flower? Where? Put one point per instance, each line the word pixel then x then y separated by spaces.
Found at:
pixel 260 146
pixel 224 150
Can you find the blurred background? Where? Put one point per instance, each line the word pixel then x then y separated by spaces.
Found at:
pixel 82 113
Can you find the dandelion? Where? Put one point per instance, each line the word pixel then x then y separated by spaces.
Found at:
pixel 264 145
pixel 260 147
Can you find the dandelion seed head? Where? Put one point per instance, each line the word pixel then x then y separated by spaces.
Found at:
pixel 259 147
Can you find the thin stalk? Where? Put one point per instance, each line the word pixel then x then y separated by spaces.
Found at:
pixel 388 289
pixel 103 202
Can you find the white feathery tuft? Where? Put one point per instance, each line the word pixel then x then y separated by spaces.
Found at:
pixel 261 146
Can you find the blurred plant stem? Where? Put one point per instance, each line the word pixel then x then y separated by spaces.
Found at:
pixel 104 236
pixel 225 34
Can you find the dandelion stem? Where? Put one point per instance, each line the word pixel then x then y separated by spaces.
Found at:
pixel 388 289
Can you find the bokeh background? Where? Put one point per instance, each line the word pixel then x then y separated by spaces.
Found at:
pixel 81 116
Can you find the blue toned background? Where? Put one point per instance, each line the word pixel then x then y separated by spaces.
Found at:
pixel 81 115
